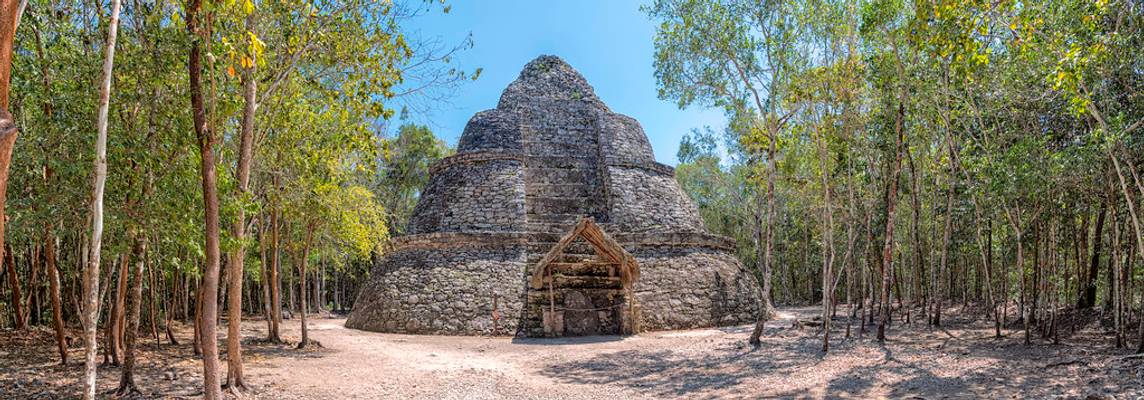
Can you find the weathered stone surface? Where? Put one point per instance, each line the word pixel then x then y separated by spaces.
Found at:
pixel 524 174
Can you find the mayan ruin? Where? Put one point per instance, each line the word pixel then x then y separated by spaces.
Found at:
pixel 554 219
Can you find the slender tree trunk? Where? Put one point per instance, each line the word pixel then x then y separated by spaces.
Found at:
pixel 127 378
pixel 14 284
pixel 197 341
pixel 206 138
pixel 892 197
pixel 1015 221
pixel 851 237
pixel 275 280
pixel 118 316
pixel 99 177
pixel 151 302
pixel 265 273
pixel 938 296
pixel 32 317
pixel 234 377
pixel 54 283
pixel 767 307
pixel 1088 294
pixel 891 204
pixel 915 233
pixel 302 279
pixel 828 247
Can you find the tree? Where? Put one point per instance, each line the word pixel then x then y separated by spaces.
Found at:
pixel 99 178
pixel 206 141
pixel 736 55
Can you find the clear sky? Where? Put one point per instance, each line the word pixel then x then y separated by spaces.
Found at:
pixel 609 42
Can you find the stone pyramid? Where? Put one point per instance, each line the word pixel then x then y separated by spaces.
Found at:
pixel 548 159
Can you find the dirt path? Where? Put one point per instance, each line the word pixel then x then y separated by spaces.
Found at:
pixel 917 362
pixel 702 363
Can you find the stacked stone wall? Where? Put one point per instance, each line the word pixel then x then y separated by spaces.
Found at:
pixel 491 130
pixel 623 140
pixel 477 196
pixel 444 291
pixel 647 200
pixel 690 286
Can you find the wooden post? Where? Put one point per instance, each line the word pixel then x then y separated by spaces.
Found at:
pixel 551 303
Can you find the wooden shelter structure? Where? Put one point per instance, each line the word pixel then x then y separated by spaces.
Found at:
pixel 595 292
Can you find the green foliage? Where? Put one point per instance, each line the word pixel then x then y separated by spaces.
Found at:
pixel 404 170
pixel 1012 106
pixel 327 74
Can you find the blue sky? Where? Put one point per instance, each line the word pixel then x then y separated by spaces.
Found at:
pixel 609 42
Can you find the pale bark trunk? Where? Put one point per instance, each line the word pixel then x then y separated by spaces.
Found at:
pixel 90 315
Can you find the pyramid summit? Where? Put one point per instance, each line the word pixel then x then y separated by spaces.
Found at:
pixel 554 219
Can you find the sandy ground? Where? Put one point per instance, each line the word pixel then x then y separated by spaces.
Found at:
pixel 917 362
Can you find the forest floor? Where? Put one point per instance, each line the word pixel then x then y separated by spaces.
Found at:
pixel 962 360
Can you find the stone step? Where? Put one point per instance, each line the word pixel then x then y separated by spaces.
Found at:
pixel 586 160
pixel 561 205
pixel 558 143
pixel 587 176
pixel 569 189
pixel 544 228
pixel 569 219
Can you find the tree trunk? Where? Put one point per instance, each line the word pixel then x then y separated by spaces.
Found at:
pixel 127 378
pixel 915 233
pixel 197 341
pixel 54 283
pixel 767 307
pixel 265 273
pixel 891 204
pixel 206 139
pixel 828 247
pixel 90 315
pixel 1088 287
pixel 118 314
pixel 153 309
pixel 275 280
pixel 234 378
pixel 32 317
pixel 945 239
pixel 892 198
pixel 302 289
pixel 14 283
